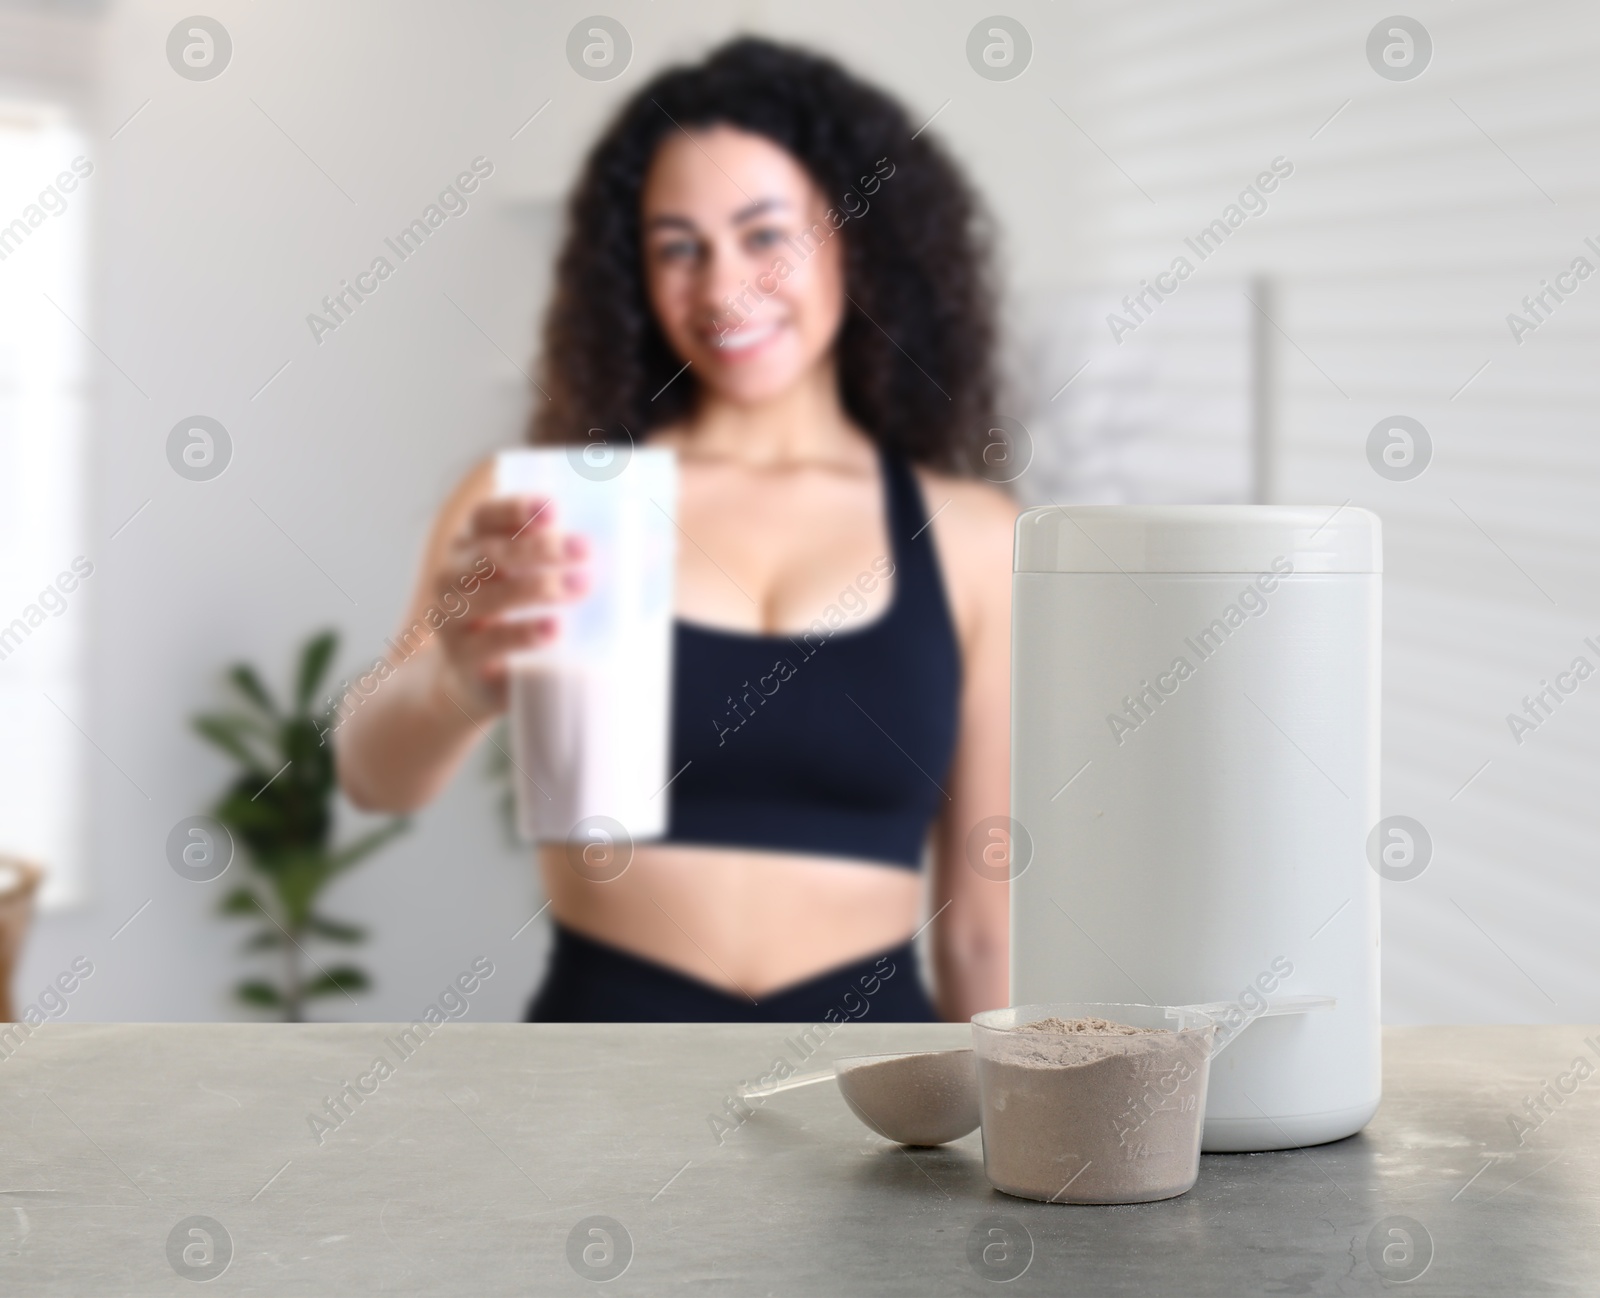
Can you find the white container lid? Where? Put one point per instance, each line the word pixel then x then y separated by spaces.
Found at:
pixel 1198 538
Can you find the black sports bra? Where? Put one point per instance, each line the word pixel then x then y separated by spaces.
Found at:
pixel 834 741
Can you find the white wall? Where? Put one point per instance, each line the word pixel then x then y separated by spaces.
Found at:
pixel 1395 250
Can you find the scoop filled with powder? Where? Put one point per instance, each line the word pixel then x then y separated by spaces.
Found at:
pixel 1092 1103
pixel 926 1098
pixel 923 1097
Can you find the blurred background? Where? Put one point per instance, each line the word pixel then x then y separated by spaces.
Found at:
pixel 1353 337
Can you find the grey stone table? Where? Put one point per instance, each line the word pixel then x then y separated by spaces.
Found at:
pixel 479 1158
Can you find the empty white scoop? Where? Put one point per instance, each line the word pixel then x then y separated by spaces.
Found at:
pixel 925 1097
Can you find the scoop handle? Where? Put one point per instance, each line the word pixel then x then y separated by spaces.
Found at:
pixel 788 1084
pixel 1276 1005
pixel 1303 1004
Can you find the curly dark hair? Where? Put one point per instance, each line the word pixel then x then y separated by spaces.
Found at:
pixel 914 351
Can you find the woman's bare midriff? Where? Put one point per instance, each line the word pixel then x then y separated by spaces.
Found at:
pixel 749 922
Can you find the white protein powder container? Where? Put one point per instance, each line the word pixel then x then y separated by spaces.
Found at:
pixel 1194 776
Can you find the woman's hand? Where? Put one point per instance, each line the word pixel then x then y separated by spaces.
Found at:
pixel 511 554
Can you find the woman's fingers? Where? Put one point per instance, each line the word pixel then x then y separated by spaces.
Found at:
pixel 522 531
pixel 481 649
pixel 512 516
pixel 495 575
pixel 506 590
pixel 510 556
pixel 479 654
pixel 530 550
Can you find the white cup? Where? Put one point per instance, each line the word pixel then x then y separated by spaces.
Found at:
pixel 590 712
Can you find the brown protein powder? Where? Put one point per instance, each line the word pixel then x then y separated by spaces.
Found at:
pixel 1090 1111
pixel 922 1098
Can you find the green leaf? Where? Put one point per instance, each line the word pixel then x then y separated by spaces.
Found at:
pixel 253 991
pixel 228 738
pixel 368 843
pixel 249 684
pixel 335 930
pixel 497 757
pixel 302 743
pixel 341 978
pixel 314 660
pixel 297 879
pixel 268 939
pixel 241 901
pixel 497 767
pixel 253 723
pixel 277 818
pixel 244 723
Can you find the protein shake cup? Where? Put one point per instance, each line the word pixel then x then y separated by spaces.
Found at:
pixel 590 711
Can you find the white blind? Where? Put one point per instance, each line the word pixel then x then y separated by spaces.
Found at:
pixel 1162 412
pixel 1415 220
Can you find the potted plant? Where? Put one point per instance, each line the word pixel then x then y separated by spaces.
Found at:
pixel 280 810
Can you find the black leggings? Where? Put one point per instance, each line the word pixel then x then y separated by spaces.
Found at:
pixel 593 982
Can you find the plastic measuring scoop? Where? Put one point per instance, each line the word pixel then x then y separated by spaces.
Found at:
pixel 930 1097
pixel 922 1097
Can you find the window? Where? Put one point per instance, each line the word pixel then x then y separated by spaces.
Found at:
pixel 45 568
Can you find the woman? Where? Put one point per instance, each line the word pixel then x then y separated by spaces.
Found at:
pixel 766 271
